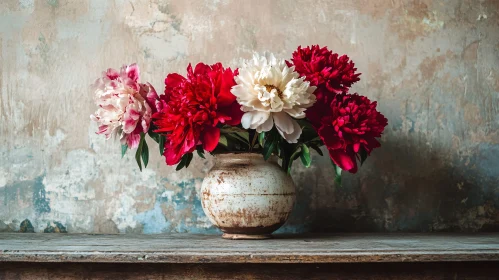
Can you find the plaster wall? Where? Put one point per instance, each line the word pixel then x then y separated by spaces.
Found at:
pixel 433 67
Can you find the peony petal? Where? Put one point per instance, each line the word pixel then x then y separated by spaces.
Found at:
pixel 130 125
pixel 173 80
pixel 330 137
pixel 289 129
pixel 132 72
pixel 225 97
pixel 201 68
pixel 103 129
pixel 130 118
pixel 254 119
pixel 293 137
pixel 149 93
pixel 112 74
pixel 232 114
pixel 345 160
pixel 133 114
pixel 296 112
pixel 242 93
pixel 132 140
pixel 266 126
pixel 283 122
pixel 190 141
pixel 372 143
pixel 172 154
pixel 210 138
pixel 356 147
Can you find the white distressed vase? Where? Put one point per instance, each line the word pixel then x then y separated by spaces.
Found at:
pixel 246 196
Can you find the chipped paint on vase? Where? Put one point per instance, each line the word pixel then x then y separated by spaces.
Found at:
pixel 246 196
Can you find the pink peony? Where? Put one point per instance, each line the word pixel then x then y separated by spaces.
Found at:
pixel 125 105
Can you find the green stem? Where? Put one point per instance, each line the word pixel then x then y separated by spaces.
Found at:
pixel 254 140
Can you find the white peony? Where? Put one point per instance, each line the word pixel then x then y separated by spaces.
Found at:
pixel 271 93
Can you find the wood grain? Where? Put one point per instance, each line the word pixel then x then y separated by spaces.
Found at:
pixel 350 271
pixel 186 248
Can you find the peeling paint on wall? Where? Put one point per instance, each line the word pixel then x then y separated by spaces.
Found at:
pixel 431 65
pixel 40 201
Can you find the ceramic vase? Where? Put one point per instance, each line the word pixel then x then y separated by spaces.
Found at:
pixel 246 196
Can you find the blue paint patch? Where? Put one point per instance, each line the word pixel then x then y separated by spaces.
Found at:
pixel 396 123
pixel 153 220
pixel 486 175
pixel 197 213
pixel 43 48
pixel 488 160
pixel 186 200
pixel 40 201
pixel 53 3
pixel 411 130
pixel 22 191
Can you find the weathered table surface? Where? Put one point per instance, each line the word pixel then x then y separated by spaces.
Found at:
pixel 187 248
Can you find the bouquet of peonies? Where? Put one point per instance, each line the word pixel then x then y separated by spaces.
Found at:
pixel 269 106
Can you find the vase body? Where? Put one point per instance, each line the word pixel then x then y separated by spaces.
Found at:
pixel 246 196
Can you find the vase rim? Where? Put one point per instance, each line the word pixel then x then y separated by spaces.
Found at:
pixel 239 155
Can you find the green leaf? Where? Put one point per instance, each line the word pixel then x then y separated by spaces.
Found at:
pixel 314 140
pixel 269 148
pixel 223 140
pixel 337 170
pixel 123 150
pixel 162 140
pixel 239 137
pixel 188 159
pixel 184 162
pixel 138 153
pixel 137 159
pixel 294 156
pixel 309 133
pixel 200 151
pixel 337 179
pixel 145 153
pixel 363 155
pixel 181 164
pixel 232 138
pixel 253 142
pixel 244 135
pixel 305 156
pixel 317 149
pixel 231 129
pixel 154 135
pixel 261 138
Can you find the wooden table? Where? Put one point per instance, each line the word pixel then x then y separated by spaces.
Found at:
pixel 180 256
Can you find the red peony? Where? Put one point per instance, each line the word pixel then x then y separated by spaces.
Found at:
pixel 324 69
pixel 352 124
pixel 192 107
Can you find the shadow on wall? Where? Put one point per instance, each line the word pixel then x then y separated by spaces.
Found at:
pixel 399 189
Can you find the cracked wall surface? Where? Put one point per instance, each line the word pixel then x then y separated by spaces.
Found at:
pixel 433 67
